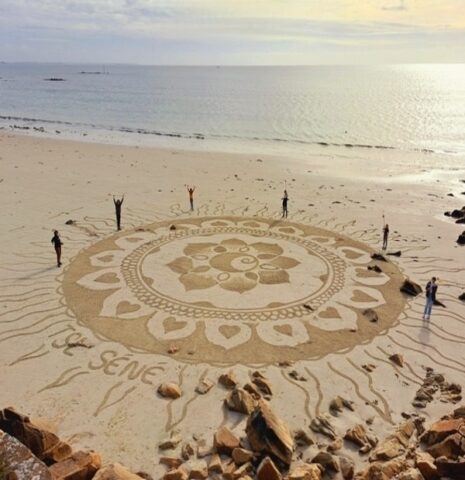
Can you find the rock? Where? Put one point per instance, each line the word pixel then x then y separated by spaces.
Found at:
pixel 370 315
pixel 79 466
pixel 462 297
pixel 305 471
pixel 374 268
pixel 455 470
pixel 243 470
pixel 458 213
pixel 240 401
pixel 215 465
pixel 169 390
pixel 425 463
pixel 297 376
pixel 327 461
pixel 398 359
pixel 170 462
pixel 262 383
pixel 395 254
pixel 18 462
pixel 197 469
pixel 395 444
pixel 241 456
pixel 321 425
pixel 43 444
pixel 187 451
pixel 70 222
pixel 225 441
pixel 268 434
pixel 411 288
pixel 450 447
pixel 177 474
pixel 335 445
pixel 460 412
pixel 253 390
pixel 115 471
pixel 302 438
pixel 379 257
pixel 359 435
pixel 438 431
pixel 173 349
pixel 228 380
pixel 267 470
pixel 204 386
pixel 336 405
pixel 172 227
pixel 461 238
pixel 369 367
pixel 170 443
pixel 347 467
pixel 410 474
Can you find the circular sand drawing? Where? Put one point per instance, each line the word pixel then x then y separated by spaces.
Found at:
pixel 230 290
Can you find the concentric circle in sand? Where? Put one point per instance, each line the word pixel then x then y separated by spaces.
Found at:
pixel 232 289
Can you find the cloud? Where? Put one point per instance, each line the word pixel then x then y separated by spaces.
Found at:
pixel 223 31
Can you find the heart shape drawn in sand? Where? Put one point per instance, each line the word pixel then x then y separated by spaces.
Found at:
pixel 329 312
pixel 170 324
pixel 126 307
pixel 108 278
pixel 284 330
pixel 229 331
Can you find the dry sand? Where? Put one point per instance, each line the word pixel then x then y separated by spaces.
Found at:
pixel 227 287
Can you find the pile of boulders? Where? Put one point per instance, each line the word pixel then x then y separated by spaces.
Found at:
pixel 262 447
pixel 30 452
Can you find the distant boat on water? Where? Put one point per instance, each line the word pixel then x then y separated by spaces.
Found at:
pixel 95 72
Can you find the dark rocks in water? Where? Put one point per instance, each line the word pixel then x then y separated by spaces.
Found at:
pixel 374 268
pixel 462 297
pixel 378 256
pixel 411 288
pixel 395 254
pixel 70 222
pixel 461 239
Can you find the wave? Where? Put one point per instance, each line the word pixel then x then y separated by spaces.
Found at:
pixel 202 136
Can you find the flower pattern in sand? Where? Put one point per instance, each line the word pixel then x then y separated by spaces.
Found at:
pixel 233 264
pixel 238 289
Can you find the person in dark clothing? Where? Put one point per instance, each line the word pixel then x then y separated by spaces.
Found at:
pixel 431 290
pixel 385 235
pixel 118 203
pixel 285 199
pixel 191 191
pixel 57 243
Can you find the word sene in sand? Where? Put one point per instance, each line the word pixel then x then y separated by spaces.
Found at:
pixel 232 289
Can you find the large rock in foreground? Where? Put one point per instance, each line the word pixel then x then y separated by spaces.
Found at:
pixel 268 434
pixel 43 444
pixel 17 461
pixel 410 288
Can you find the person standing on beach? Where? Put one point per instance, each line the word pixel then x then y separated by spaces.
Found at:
pixel 431 289
pixel 57 243
pixel 191 191
pixel 385 236
pixel 118 203
pixel 285 199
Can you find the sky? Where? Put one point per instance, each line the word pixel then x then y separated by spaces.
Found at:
pixel 233 32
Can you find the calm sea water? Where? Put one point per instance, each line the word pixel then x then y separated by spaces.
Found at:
pixel 408 107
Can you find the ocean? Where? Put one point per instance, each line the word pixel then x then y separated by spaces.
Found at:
pixel 396 107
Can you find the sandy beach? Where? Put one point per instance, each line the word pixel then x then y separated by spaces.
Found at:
pixel 228 286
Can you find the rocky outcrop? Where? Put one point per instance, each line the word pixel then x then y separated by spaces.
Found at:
pixel 18 462
pixel 79 466
pixel 268 434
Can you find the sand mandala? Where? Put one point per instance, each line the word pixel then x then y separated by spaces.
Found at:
pixel 232 289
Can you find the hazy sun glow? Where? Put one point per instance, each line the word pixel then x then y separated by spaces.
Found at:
pixel 233 31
